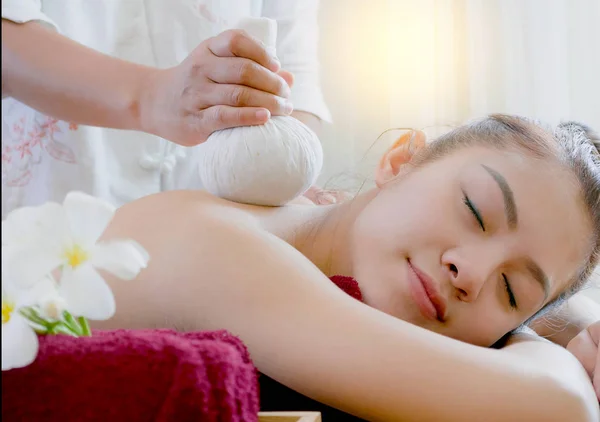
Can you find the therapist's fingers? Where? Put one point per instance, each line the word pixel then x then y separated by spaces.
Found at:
pixel 243 96
pixel 227 81
pixel 321 196
pixel 237 43
pixel 223 117
pixel 241 71
pixel 287 76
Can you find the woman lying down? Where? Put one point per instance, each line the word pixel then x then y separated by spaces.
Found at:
pixel 486 228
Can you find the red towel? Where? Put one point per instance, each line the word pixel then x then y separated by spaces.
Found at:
pixel 147 375
pixel 349 285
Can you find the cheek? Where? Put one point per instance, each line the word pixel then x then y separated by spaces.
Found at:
pixel 401 215
pixel 480 326
pixel 401 221
pixel 374 248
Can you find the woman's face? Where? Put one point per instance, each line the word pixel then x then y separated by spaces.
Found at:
pixel 471 245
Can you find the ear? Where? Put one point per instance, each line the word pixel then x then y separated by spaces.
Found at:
pixel 399 154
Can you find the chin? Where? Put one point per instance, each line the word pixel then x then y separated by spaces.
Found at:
pixel 392 301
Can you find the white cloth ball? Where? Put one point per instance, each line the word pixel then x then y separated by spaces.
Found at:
pixel 270 164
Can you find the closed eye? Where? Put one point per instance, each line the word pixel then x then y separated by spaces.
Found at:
pixel 511 297
pixel 474 211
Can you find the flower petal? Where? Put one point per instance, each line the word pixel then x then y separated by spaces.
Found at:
pixel 19 343
pixel 52 306
pixel 123 258
pixel 88 217
pixel 26 265
pixel 86 293
pixel 18 225
pixel 35 242
pixel 42 291
pixel 24 225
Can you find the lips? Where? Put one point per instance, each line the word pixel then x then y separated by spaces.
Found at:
pixel 427 294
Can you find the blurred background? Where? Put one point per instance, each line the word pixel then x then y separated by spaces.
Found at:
pixel 432 64
pixel 435 63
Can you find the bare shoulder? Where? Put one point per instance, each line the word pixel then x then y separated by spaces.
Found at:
pixel 174 215
pixel 207 257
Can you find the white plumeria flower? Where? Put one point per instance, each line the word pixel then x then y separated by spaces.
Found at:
pixel 40 240
pixel 19 340
pixel 52 306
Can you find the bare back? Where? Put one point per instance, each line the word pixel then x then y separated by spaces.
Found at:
pixel 217 265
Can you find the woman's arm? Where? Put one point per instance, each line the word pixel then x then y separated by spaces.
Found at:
pixel 535 350
pixel 211 268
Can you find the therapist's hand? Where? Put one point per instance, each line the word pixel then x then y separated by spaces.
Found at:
pixel 319 196
pixel 585 348
pixel 227 81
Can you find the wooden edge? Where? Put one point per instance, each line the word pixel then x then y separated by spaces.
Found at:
pixel 289 417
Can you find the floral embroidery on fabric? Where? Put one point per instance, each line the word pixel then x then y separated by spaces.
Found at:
pixel 26 144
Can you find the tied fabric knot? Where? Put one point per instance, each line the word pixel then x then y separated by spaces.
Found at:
pixel 166 161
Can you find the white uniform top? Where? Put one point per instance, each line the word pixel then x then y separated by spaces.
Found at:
pixel 43 158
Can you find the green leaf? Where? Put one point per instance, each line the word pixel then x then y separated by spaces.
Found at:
pixel 85 327
pixel 30 314
pixel 72 324
pixel 63 329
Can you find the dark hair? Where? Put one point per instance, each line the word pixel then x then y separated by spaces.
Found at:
pixel 572 145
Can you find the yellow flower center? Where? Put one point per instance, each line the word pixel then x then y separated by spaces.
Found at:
pixel 76 256
pixel 7 310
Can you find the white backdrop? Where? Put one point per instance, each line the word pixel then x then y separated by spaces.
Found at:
pixel 430 63
pixel 434 63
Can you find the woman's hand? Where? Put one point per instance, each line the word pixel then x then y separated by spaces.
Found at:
pixel 227 81
pixel 585 348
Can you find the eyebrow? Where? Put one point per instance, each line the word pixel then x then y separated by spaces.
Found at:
pixel 510 208
pixel 539 275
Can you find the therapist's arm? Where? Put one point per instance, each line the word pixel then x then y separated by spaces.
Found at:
pixel 228 80
pixel 67 80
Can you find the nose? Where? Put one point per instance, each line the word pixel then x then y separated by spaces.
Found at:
pixel 467 273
